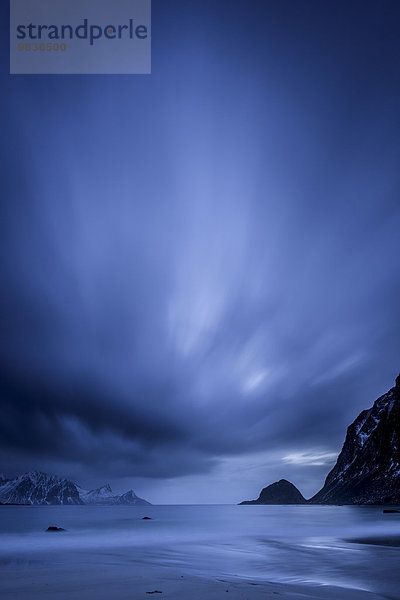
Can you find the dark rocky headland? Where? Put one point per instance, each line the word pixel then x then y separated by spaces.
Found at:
pixel 367 470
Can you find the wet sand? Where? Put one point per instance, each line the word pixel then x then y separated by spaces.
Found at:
pixel 389 540
pixel 108 582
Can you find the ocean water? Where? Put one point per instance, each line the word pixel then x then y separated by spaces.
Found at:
pixel 348 546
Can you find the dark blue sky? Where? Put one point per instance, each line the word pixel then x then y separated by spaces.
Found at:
pixel 200 268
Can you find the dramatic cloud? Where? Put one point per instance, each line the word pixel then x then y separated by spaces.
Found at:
pixel 200 268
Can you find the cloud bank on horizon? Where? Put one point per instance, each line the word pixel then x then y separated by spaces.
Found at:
pixel 201 267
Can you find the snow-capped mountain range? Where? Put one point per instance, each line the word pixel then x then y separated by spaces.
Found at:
pixel 367 470
pixel 40 488
pixel 105 495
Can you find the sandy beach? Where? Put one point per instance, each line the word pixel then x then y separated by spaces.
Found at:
pixel 107 579
pixel 198 552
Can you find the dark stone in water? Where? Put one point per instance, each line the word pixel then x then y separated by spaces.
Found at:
pixel 147 519
pixel 53 528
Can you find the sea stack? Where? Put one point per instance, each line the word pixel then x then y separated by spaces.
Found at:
pixel 280 492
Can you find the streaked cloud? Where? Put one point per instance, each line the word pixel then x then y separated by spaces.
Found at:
pixel 310 458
